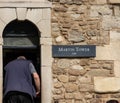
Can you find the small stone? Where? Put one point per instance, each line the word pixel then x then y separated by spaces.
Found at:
pixel 63 78
pixel 59 39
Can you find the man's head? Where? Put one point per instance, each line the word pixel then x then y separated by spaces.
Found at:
pixel 21 57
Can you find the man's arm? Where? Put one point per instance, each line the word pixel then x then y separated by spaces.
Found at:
pixel 37 82
pixel 35 77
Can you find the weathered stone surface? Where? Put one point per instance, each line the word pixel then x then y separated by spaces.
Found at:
pixel 110 22
pixel 107 66
pixel 88 95
pixel 76 36
pixel 98 72
pixel 71 87
pixel 60 9
pixel 72 78
pixel 35 15
pixel 75 16
pixel 74 62
pixel 101 1
pixel 57 91
pixel 117 95
pixel 116 68
pixel 19 0
pixel 104 10
pixel 94 66
pixel 110 52
pixel 86 88
pixel 77 67
pixel 46 13
pixel 21 13
pixel 86 22
pixel 79 101
pixel 55 27
pixel 101 95
pixel 95 100
pixel 74 72
pixel 46 51
pixel 114 1
pixel 57 85
pixel 58 97
pixel 63 78
pixel 59 71
pixel 69 95
pixel 43 28
pixel 78 96
pixel 7 14
pixel 63 63
pixel 85 80
pixel 59 39
pixel 106 85
pixel 116 9
pixel 100 10
pixel 2 26
pixel 84 62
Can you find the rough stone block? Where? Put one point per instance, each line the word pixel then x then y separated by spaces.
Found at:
pixel 114 1
pixel 116 10
pixel 117 68
pixel 110 52
pixel 106 84
pixel 63 78
pixel 71 87
pixel 101 1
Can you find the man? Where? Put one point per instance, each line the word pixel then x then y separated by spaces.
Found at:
pixel 18 85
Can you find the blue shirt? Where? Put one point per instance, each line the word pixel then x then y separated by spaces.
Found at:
pixel 18 77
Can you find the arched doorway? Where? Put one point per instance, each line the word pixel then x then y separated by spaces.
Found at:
pixel 21 38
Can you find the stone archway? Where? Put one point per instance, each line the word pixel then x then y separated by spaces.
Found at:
pixel 39 14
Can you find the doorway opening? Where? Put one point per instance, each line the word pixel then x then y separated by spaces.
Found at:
pixel 22 38
pixel 31 54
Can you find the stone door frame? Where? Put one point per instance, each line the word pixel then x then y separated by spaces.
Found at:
pixel 40 15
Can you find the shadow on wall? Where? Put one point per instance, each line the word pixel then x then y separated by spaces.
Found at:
pixel 112 101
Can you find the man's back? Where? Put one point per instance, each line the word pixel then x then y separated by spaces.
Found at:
pixel 18 77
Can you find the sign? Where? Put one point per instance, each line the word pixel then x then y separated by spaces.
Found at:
pixel 73 50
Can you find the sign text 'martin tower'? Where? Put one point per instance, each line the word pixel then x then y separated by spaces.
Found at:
pixel 73 50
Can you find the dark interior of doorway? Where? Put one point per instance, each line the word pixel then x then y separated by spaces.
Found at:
pixel 32 54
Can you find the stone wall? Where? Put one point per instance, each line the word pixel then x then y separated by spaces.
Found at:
pixel 73 79
pixel 87 22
